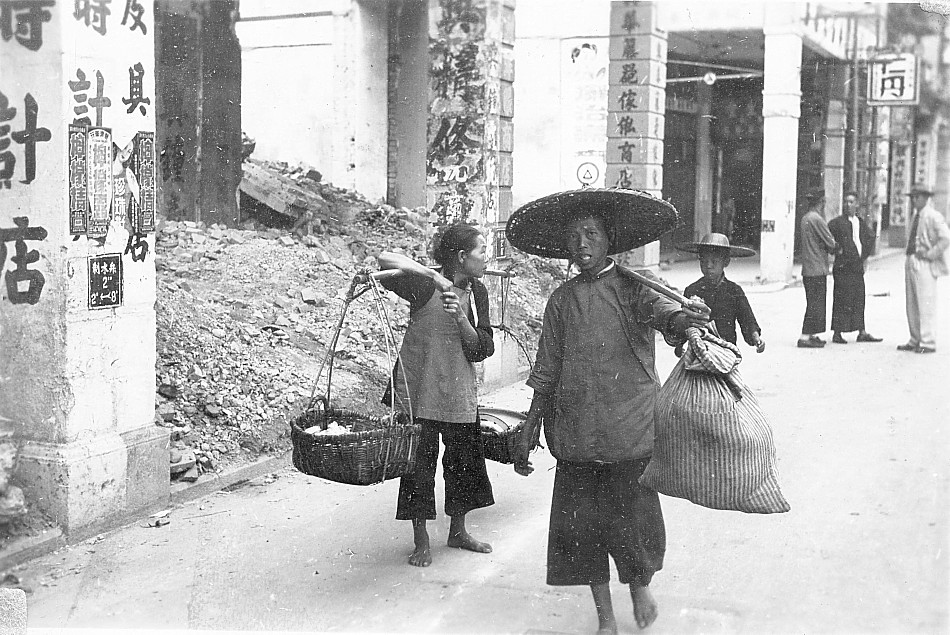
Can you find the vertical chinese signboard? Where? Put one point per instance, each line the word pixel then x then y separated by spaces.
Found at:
pixel 893 80
pixel 99 181
pixel 636 103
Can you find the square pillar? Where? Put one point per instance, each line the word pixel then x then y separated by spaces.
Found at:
pixel 636 108
pixel 834 157
pixel 77 223
pixel 901 164
pixel 470 141
pixel 781 108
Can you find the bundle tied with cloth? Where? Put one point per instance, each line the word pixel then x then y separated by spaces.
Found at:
pixel 713 443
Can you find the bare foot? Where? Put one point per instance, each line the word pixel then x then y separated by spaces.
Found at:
pixel 606 622
pixel 645 609
pixel 421 555
pixel 464 540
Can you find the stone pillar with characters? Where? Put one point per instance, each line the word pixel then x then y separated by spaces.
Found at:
pixel 77 230
pixel 636 107
pixel 469 163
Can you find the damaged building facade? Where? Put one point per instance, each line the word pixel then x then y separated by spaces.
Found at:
pixel 410 103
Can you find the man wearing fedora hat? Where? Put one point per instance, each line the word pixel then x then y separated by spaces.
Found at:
pixel 595 389
pixel 927 243
pixel 855 242
pixel 817 244
pixel 725 298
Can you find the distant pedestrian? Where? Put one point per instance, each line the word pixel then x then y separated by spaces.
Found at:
pixel 816 245
pixel 725 298
pixel 927 244
pixel 855 242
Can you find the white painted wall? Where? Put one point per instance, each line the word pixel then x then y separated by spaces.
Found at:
pixel 287 92
pixel 556 117
pixel 314 87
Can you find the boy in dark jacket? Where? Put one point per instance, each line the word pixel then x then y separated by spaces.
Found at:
pixel 725 298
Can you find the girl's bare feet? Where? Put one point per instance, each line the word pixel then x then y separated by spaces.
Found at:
pixel 459 538
pixel 465 541
pixel 645 609
pixel 421 555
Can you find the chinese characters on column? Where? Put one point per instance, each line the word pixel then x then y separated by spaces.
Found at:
pixel 28 137
pixel 24 285
pixel 29 16
pixel 637 77
pixel 95 14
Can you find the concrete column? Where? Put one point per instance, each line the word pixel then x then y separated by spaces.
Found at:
pixel 877 195
pixel 901 164
pixel 345 64
pixel 703 200
pixel 77 214
pixel 834 157
pixel 781 106
pixel 469 164
pixel 636 107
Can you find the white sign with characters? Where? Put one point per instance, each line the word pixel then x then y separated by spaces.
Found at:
pixel 892 80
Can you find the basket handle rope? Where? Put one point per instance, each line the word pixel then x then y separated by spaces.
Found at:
pixel 360 284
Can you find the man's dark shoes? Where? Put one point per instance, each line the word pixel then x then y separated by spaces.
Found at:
pixel 837 339
pixel 910 348
pixel 867 337
pixel 810 343
pixel 926 349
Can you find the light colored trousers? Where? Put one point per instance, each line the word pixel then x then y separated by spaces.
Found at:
pixel 921 296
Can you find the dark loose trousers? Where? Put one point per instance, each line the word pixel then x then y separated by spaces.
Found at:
pixel 600 510
pixel 463 467
pixel 816 304
pixel 847 309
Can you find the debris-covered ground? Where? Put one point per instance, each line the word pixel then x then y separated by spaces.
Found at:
pixel 245 316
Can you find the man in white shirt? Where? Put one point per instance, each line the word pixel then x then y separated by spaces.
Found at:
pixel 855 241
pixel 927 243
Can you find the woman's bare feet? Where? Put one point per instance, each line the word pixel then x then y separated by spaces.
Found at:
pixel 645 609
pixel 606 622
pixel 421 555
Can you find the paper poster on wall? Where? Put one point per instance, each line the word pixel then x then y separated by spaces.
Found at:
pixel 105 281
pixel 78 194
pixel 142 204
pixel 99 180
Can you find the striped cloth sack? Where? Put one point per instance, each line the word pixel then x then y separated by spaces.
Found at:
pixel 713 443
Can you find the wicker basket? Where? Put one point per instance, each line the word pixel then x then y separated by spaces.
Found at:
pixel 374 451
pixel 500 430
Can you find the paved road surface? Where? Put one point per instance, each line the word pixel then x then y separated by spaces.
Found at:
pixel 862 433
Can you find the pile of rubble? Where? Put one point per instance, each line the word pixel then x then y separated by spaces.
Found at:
pixel 12 502
pixel 245 316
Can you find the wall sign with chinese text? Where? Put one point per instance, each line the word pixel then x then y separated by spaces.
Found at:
pixel 99 181
pixel 144 170
pixel 105 281
pixel 78 194
pixel 893 80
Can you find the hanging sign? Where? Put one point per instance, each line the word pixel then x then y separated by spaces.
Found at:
pixel 893 80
